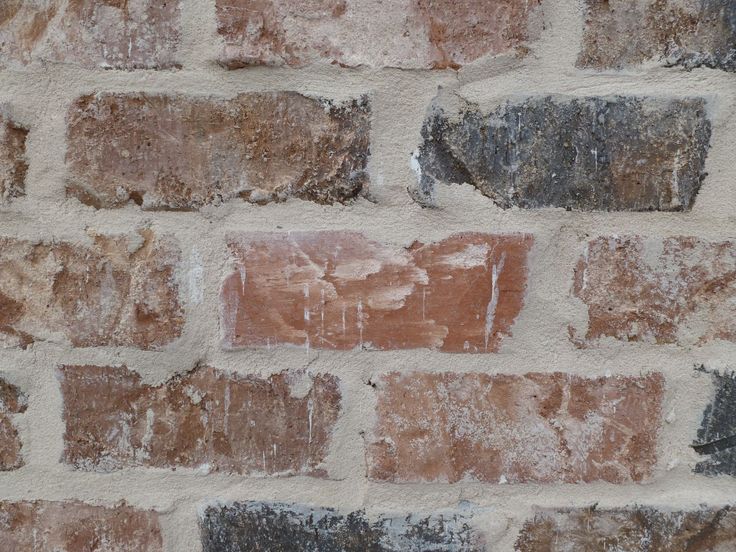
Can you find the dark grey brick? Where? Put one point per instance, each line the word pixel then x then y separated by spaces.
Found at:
pixel 716 439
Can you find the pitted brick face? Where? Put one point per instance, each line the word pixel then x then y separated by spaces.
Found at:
pixel 12 402
pixel 72 526
pixel 205 419
pixel 119 291
pixel 630 529
pixel 339 290
pixel 293 527
pixel 182 153
pixel 716 438
pixel 537 428
pixel 675 290
pixel 689 33
pixel 587 154
pixel 13 164
pixel 127 34
pixel 410 34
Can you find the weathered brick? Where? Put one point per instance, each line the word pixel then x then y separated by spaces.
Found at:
pixel 205 419
pixel 118 291
pixel 542 428
pixel 610 154
pixel 293 527
pixel 674 290
pixel 12 401
pixel 115 34
pixel 411 34
pixel 339 290
pixel 634 529
pixel 72 526
pixel 690 33
pixel 717 434
pixel 181 153
pixel 13 166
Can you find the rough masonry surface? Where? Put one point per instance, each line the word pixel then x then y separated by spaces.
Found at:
pixel 587 154
pixel 206 419
pixel 540 428
pixel 13 163
pixel 716 436
pixel 12 401
pixel 340 290
pixel 181 153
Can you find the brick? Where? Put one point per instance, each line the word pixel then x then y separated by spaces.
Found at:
pixel 72 526
pixel 536 428
pixel 410 34
pixel 111 34
pixel 673 290
pixel 204 419
pixel 12 401
pixel 274 526
pixel 182 153
pixel 688 33
pixel 716 437
pixel 118 291
pixel 589 154
pixel 340 290
pixel 13 165
pixel 633 529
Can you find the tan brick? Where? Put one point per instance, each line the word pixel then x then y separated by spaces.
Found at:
pixel 118 291
pixel 674 290
pixel 13 165
pixel 116 34
pixel 181 153
pixel 12 401
pixel 72 526
pixel 339 290
pixel 536 428
pixel 411 34
pixel 634 529
pixel 690 33
pixel 205 419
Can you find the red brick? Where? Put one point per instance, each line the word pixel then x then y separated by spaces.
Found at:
pixel 72 526
pixel 117 34
pixel 118 291
pixel 13 166
pixel 411 34
pixel 630 529
pixel 12 401
pixel 674 290
pixel 181 153
pixel 536 428
pixel 339 290
pixel 205 419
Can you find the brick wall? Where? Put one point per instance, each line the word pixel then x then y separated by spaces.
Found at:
pixel 346 275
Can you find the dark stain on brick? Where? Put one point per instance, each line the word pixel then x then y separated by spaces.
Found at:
pixel 295 528
pixel 12 401
pixel 716 438
pixel 13 164
pixel 620 33
pixel 590 154
pixel 635 529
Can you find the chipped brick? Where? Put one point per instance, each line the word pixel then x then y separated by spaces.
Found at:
pixel 12 401
pixel 410 34
pixel 588 154
pixel 339 290
pixel 673 290
pixel 634 529
pixel 115 292
pixel 536 428
pixel 274 526
pixel 181 153
pixel 689 33
pixel 13 165
pixel 72 526
pixel 113 34
pixel 717 434
pixel 205 419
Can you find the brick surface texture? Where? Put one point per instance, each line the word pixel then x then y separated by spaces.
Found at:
pixel 367 275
